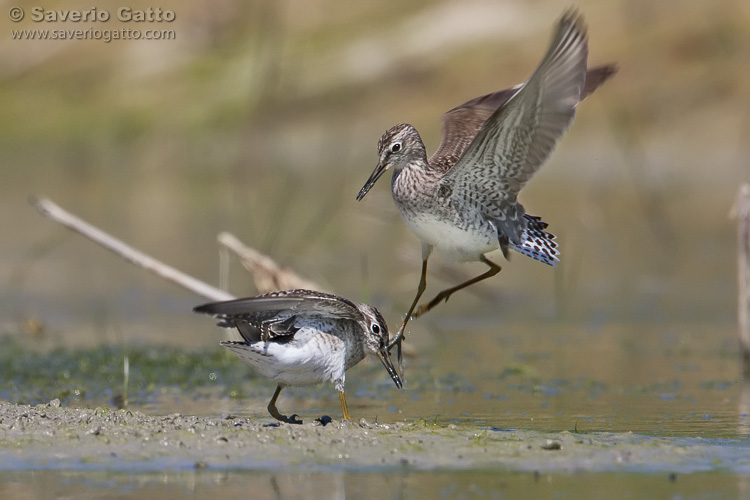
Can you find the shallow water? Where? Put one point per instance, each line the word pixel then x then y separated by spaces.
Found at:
pixel 392 484
pixel 653 385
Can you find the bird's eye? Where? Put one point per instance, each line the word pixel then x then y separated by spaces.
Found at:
pixel 375 328
pixel 396 147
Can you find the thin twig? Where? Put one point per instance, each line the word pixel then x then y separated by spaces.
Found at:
pixel 57 214
pixel 268 275
pixel 742 212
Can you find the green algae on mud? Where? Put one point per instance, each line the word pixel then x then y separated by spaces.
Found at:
pixel 96 374
pixel 50 436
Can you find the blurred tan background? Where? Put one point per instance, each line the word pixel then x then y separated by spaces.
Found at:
pixel 262 118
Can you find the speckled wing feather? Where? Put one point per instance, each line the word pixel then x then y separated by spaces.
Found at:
pixel 461 124
pixel 278 314
pixel 518 137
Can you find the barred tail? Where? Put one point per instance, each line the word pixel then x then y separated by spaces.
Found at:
pixel 536 242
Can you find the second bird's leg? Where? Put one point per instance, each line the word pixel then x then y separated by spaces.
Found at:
pixel 344 409
pixel 445 294
pixel 400 335
pixel 275 412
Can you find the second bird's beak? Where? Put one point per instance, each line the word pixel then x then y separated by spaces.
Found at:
pixel 379 170
pixel 386 359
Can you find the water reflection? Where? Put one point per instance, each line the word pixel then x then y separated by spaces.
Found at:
pixel 393 484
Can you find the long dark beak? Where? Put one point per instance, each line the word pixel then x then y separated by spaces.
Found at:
pixel 379 170
pixel 386 359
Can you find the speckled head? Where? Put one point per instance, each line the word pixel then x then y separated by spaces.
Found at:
pixel 399 146
pixel 376 339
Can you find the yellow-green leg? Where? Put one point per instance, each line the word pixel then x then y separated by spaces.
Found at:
pixel 344 409
pixel 400 335
pixel 445 294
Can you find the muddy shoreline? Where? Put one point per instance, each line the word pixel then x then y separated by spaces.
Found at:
pixel 49 436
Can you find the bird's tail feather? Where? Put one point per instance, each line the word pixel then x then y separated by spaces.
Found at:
pixel 537 243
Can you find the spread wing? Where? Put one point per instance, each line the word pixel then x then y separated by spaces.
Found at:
pixel 461 124
pixel 518 137
pixel 277 315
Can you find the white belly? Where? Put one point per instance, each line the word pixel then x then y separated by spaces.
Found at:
pixel 453 242
pixel 304 361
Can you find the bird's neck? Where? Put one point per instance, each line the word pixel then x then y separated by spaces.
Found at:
pixel 416 167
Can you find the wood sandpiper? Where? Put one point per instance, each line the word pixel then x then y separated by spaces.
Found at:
pixel 303 337
pixel 463 199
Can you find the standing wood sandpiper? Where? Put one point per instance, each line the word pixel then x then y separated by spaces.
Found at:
pixel 302 337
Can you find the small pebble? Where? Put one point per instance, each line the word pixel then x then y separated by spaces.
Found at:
pixel 324 420
pixel 552 445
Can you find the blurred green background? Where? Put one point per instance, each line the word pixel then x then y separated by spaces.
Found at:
pixel 262 118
